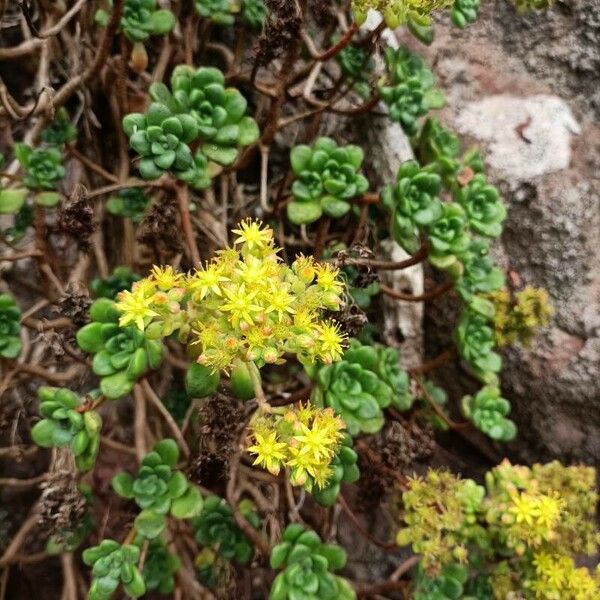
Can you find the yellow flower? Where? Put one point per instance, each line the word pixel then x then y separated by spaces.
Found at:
pixel 207 279
pixel 240 305
pixel 549 509
pixel 279 300
pixel 330 342
pixel 269 452
pixel 524 508
pixel 252 235
pixel 327 278
pixel 135 307
pixel 166 277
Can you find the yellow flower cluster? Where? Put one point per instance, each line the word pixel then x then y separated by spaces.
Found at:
pixel 516 320
pixel 244 304
pixel 396 12
pixel 558 578
pixel 304 439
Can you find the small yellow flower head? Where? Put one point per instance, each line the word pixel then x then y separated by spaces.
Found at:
pixel 253 235
pixel 165 277
pixel 207 279
pixel 330 342
pixel 310 436
pixel 269 452
pixel 135 306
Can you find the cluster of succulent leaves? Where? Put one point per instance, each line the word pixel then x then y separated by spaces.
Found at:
pixel 202 381
pixel 67 422
pixel 121 354
pixel 327 178
pixel 487 410
pixel 216 528
pixel 60 130
pixel 308 567
pixel 128 202
pixel 517 316
pixel 121 278
pixel 113 564
pixel 43 170
pixel 10 327
pixel 141 19
pixel 366 380
pixel 197 109
pixel 344 469
pixel 160 568
pixel 159 490
pixel 518 534
pixel 464 12
pixel 409 91
pixel 219 12
pixel 12 201
pixel 357 67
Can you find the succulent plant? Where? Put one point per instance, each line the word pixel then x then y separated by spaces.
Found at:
pixel 326 179
pixel 308 567
pixel 60 130
pixel 122 278
pixel 161 139
pixel 121 354
pixel 219 112
pixel 23 218
pixel 475 340
pixel 487 410
pixel 216 527
pixel 358 387
pixel 413 202
pixel 439 145
pixel 356 66
pixel 483 206
pixel 479 276
pixel 409 93
pixel 200 172
pixel 160 568
pixel 10 327
pixel 43 169
pixel 464 12
pixel 112 564
pixel 448 236
pixel 217 11
pixel 12 200
pixel 128 202
pixel 254 13
pixel 448 585
pixel 66 424
pixel 343 470
pixel 159 490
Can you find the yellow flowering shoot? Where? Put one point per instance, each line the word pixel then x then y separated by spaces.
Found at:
pixel 246 303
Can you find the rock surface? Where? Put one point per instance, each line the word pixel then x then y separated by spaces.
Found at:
pixel 526 89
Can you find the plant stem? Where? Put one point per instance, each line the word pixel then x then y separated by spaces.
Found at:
pixel 186 221
pixel 263 405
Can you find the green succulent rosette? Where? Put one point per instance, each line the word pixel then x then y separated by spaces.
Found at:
pixel 479 276
pixel 475 341
pixel 366 380
pixel 483 206
pixel 219 112
pixel 10 327
pixel 254 13
pixel 160 568
pixel 344 469
pixel 448 237
pixel 308 567
pixel 216 528
pixel 356 66
pixel 409 93
pixel 121 354
pixel 413 202
pixel 487 410
pixel 64 426
pixel 464 12
pixel 161 139
pixel 448 585
pixel 113 564
pixel 130 203
pixel 219 12
pixel 43 166
pixel 60 130
pixel 440 146
pixel 159 490
pixel 122 278
pixel 327 178
pixel 141 19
